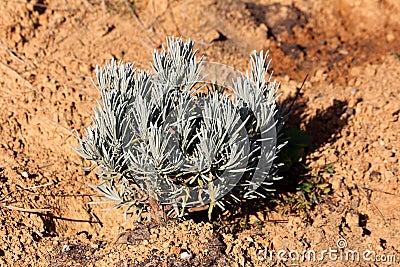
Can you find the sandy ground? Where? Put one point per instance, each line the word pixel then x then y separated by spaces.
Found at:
pixel 350 107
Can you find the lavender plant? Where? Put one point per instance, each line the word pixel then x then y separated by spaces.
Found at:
pixel 172 141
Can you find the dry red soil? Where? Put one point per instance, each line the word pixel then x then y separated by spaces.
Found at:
pixel 350 107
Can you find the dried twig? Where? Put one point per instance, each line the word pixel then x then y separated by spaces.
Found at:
pixel 13 54
pixel 201 208
pixel 56 22
pixel 46 212
pixel 140 23
pixel 381 191
pixel 36 186
pixel 298 93
pixel 173 19
pixel 71 132
pixel 19 76
pixel 10 207
pixel 370 202
pixel 44 165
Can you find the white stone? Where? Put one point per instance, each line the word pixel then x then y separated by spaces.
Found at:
pixel 186 255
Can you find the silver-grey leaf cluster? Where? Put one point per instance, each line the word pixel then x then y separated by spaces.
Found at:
pixel 169 137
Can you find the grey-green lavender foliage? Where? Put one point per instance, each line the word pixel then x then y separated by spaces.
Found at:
pixel 171 136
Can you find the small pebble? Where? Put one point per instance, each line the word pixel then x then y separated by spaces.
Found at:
pixel 186 255
pixel 66 248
